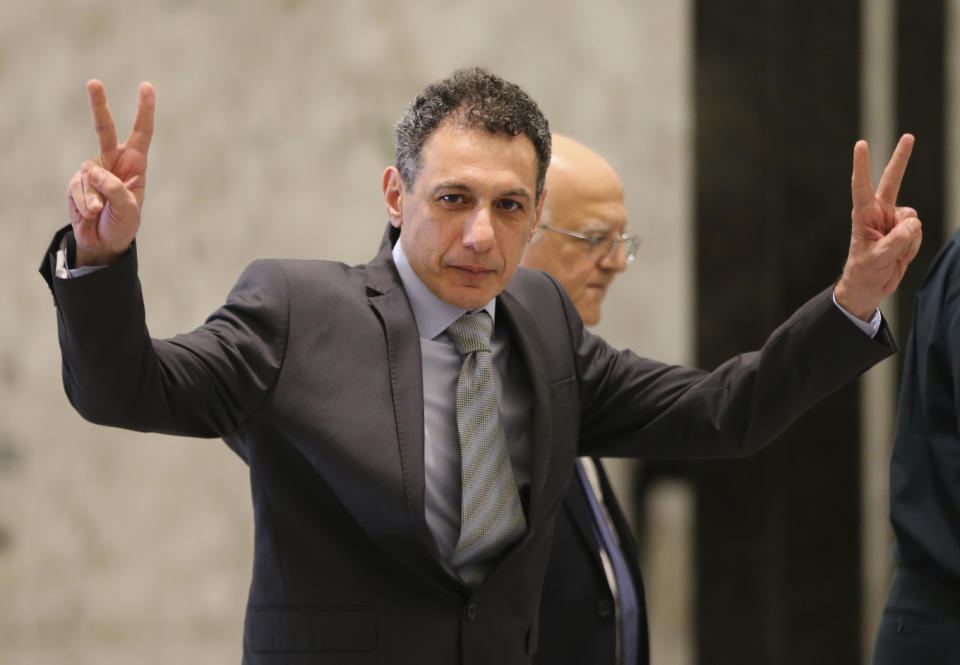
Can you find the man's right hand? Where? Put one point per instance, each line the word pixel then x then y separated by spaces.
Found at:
pixel 105 196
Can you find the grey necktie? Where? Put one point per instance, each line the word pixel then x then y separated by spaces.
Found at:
pixel 491 516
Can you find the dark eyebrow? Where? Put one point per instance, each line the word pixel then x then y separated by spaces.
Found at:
pixel 520 192
pixel 451 184
pixel 517 193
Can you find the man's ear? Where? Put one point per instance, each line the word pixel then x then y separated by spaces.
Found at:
pixel 393 195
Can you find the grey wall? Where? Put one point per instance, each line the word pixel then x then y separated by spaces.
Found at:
pixel 273 128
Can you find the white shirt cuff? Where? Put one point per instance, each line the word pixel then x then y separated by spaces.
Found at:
pixel 63 271
pixel 871 327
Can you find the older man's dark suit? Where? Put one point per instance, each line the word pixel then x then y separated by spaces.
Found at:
pixel 577 612
pixel 311 372
pixel 921 622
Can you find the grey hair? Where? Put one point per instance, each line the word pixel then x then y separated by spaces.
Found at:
pixel 479 99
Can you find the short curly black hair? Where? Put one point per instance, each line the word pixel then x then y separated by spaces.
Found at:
pixel 480 99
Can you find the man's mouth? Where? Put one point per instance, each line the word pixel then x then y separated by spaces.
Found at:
pixel 476 271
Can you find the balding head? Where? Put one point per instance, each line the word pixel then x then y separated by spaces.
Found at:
pixel 585 196
pixel 578 175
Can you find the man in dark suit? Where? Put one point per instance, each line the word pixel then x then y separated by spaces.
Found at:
pixel 346 388
pixel 921 622
pixel 592 611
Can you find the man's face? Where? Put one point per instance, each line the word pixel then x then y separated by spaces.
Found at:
pixel 589 202
pixel 465 221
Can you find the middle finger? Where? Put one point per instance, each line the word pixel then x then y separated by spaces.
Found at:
pixel 892 176
pixel 103 123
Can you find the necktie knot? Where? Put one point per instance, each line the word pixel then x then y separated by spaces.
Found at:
pixel 471 332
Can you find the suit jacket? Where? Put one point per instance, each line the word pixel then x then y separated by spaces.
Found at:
pixel 311 372
pixel 921 623
pixel 925 470
pixel 577 610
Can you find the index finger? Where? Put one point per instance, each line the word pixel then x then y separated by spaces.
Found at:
pixel 142 131
pixel 860 185
pixel 102 118
pixel 889 185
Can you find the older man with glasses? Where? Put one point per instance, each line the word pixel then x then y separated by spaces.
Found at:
pixel 582 239
pixel 592 610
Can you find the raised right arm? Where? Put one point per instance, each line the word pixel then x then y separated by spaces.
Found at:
pixel 203 383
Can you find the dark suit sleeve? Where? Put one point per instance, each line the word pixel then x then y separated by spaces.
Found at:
pixel 203 383
pixel 631 406
pixel 952 342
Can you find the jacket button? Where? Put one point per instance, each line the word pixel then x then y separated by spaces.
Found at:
pixel 604 608
pixel 471 612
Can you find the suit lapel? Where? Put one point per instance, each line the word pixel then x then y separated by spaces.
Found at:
pixel 627 542
pixel 525 340
pixel 388 299
pixel 578 509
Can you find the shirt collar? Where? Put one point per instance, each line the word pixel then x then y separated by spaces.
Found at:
pixel 433 316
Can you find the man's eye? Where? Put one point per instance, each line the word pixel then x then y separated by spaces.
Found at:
pixel 510 204
pixel 596 238
pixel 452 198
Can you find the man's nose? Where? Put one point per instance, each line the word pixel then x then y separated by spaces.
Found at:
pixel 478 231
pixel 616 258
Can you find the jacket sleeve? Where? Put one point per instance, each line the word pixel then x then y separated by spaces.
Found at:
pixel 631 406
pixel 203 383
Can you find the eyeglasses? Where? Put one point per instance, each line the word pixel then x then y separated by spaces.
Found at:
pixel 607 243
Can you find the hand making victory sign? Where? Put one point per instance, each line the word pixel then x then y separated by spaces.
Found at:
pixel 884 238
pixel 105 196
